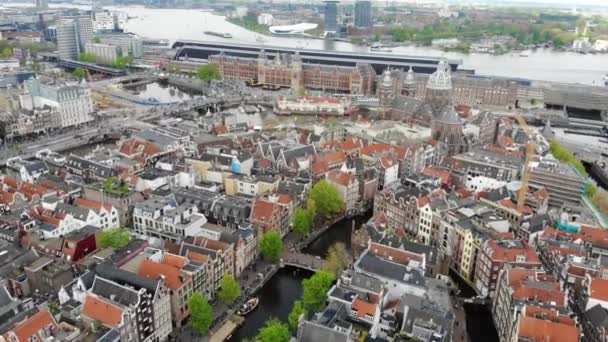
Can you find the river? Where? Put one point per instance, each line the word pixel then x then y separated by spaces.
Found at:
pixel 542 64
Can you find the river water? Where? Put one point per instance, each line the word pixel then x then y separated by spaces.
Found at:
pixel 542 64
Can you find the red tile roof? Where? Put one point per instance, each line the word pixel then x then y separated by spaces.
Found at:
pixel 599 289
pixel 442 174
pixel 363 308
pixel 340 177
pixel 174 260
pixel 333 158
pixel 394 254
pixel 30 327
pixel 265 211
pixel 87 203
pixel 319 167
pixel 509 250
pixel 174 277
pixel 102 310
pixel 537 328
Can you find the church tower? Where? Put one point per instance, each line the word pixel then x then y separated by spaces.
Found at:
pixel 409 85
pixel 439 89
pixel 386 94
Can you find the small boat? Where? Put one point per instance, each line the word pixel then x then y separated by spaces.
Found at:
pixel 249 306
pixel 380 48
pixel 218 34
pixel 524 54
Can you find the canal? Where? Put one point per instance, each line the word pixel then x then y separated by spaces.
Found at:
pixel 339 232
pixel 276 300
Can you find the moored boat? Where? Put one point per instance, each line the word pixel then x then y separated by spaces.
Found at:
pixel 248 306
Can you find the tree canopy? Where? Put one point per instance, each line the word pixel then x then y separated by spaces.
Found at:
pixel 294 316
pixel 327 199
pixel 271 246
pixel 563 154
pixel 122 62
pixel 315 289
pixel 230 289
pixel 79 72
pixel 336 260
pixel 87 57
pixel 201 312
pixel 274 331
pixel 115 238
pixel 302 222
pixel 209 72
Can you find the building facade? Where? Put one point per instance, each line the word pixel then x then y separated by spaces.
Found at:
pixel 363 13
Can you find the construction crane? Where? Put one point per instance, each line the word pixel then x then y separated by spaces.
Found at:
pixel 530 153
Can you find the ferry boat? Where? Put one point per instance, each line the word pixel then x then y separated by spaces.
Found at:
pixel 379 48
pixel 219 34
pixel 249 306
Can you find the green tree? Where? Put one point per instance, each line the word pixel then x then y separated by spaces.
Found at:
pixel 209 72
pixel 173 68
pixel 327 199
pixel 230 289
pixel 7 52
pixel 87 57
pixel 122 62
pixel 201 312
pixel 301 222
pixel 96 40
pixel 565 155
pixel 274 331
pixel 315 289
pixel 271 246
pixel 294 316
pixel 115 238
pixel 336 260
pixel 79 72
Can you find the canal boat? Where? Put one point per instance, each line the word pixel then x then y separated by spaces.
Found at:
pixel 379 48
pixel 218 34
pixel 249 306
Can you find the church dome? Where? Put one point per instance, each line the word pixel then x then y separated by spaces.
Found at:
pixel 387 81
pixel 441 78
pixel 409 78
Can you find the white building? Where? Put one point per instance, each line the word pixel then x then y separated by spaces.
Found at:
pixel 164 218
pixel 73 101
pixel 67 39
pixel 265 19
pixel 104 53
pixel 312 105
pixel 104 20
pixel 483 183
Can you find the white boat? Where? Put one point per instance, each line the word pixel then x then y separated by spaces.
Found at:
pixel 249 306
pixel 379 48
pixel 524 54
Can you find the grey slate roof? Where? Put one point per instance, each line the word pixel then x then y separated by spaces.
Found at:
pixel 598 316
pixel 113 291
pixel 388 269
pixel 123 277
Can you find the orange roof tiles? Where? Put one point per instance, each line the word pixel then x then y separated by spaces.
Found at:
pixel 508 253
pixel 87 203
pixel 444 175
pixel 264 210
pixel 319 167
pixel 29 327
pixel 174 277
pixel 388 161
pixel 541 330
pixel 340 177
pixel 507 202
pixel 174 260
pixel 364 308
pixel 197 257
pixel 599 289
pixel 333 158
pixel 394 254
pixel 102 310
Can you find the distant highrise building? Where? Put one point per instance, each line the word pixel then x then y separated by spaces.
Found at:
pixel 67 39
pixel 84 25
pixel 331 15
pixel 363 13
pixel 73 34
pixel 42 4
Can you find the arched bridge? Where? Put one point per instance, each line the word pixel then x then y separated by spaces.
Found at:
pixel 301 260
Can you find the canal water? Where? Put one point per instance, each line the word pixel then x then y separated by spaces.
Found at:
pixel 160 92
pixel 276 300
pixel 339 232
